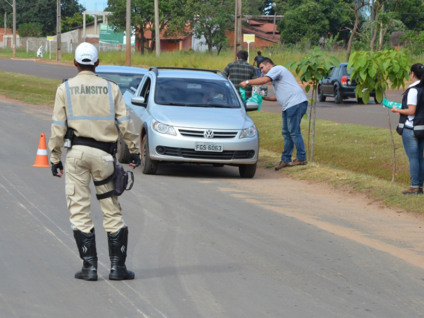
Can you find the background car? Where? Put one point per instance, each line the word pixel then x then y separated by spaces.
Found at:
pixel 193 116
pixel 338 84
pixel 124 76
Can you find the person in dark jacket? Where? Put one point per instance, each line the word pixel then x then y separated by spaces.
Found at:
pixel 409 128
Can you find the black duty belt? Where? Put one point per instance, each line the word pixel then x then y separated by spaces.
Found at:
pixel 109 147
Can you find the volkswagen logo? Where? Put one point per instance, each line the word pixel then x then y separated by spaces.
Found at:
pixel 208 134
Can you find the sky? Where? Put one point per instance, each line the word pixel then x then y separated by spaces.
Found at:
pixel 94 5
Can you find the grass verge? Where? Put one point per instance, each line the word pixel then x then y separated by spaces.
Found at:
pixel 353 158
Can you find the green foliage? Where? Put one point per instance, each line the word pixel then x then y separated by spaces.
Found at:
pixel 410 12
pixel 44 12
pixel 376 71
pixel 313 67
pixel 30 29
pixel 210 20
pixel 414 41
pixel 171 16
pixel 305 20
pixel 69 23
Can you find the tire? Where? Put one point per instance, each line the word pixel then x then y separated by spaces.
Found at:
pixel 321 96
pixel 122 152
pixel 148 166
pixel 338 99
pixel 359 100
pixel 247 171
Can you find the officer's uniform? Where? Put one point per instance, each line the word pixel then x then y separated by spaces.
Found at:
pixel 94 108
pixel 89 105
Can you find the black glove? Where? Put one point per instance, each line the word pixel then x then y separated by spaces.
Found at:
pixel 135 159
pixel 55 167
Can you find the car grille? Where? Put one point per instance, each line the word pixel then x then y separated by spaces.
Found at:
pixel 192 154
pixel 200 133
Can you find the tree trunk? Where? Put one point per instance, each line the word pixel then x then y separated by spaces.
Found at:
pixel 355 27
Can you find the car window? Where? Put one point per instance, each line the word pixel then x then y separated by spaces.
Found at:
pixel 124 80
pixel 195 92
pixel 333 72
pixel 344 70
pixel 145 91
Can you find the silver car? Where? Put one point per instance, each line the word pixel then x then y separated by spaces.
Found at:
pixel 192 116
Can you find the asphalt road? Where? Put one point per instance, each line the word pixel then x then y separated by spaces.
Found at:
pixel 203 244
pixel 348 112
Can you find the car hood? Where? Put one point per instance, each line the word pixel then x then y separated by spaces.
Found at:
pixel 201 117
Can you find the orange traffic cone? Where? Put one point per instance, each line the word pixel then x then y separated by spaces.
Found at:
pixel 42 159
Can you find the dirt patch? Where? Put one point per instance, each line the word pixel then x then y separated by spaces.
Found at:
pixel 349 215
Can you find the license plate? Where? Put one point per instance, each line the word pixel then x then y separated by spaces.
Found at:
pixel 209 147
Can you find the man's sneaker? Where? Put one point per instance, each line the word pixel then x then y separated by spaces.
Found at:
pixel 298 163
pixel 413 191
pixel 282 165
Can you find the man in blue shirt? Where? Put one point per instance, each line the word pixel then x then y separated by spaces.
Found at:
pixel 294 104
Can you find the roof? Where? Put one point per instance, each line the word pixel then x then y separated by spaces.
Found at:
pixel 191 73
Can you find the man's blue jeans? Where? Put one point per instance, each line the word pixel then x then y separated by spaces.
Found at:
pixel 292 117
pixel 414 149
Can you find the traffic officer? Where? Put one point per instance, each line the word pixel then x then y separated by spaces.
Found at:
pixel 89 111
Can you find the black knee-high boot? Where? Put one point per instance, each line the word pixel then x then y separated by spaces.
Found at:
pixel 86 243
pixel 118 243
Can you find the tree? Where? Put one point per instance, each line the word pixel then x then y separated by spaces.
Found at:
pixel 312 68
pixel 69 23
pixel 314 19
pixel 304 21
pixel 410 12
pixel 171 17
pixel 373 72
pixel 210 19
pixel 44 12
pixel 359 4
pixel 30 29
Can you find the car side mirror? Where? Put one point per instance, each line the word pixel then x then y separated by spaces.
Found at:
pixel 139 101
pixel 250 106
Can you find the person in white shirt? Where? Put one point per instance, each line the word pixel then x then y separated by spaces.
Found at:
pixel 410 127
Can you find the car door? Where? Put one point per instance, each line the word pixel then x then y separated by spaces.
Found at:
pixel 326 82
pixel 333 80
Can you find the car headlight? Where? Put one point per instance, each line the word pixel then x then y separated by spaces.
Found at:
pixel 248 132
pixel 163 128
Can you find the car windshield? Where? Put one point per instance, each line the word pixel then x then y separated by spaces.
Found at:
pixel 196 93
pixel 124 80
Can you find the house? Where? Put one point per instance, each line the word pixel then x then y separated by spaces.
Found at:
pixel 266 33
pixel 176 42
pixel 6 38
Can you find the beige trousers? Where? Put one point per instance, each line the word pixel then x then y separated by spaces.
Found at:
pixel 82 164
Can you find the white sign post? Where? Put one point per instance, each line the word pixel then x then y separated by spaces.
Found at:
pixel 248 38
pixel 50 39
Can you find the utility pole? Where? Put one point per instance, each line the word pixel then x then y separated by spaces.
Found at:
pixel 59 32
pixel 128 34
pixel 237 27
pixel 14 29
pixel 157 31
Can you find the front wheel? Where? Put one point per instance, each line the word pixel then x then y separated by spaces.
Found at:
pixel 247 171
pixel 148 166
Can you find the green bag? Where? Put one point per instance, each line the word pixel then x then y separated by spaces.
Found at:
pixel 390 104
pixel 256 96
